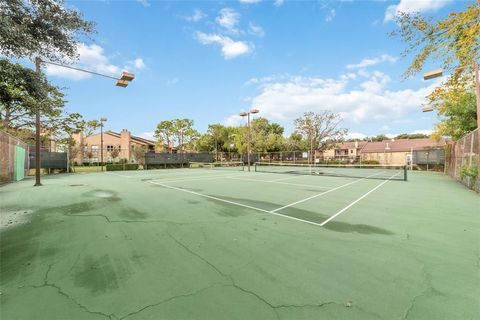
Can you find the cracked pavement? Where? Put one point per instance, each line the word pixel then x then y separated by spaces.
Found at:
pixel 117 249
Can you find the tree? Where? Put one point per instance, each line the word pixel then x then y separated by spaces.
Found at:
pixel 378 138
pixel 411 136
pixel 22 91
pixel 180 131
pixel 265 136
pixel 89 127
pixel 164 133
pixel 459 113
pixel 295 142
pixel 453 42
pixel 43 28
pixel 115 153
pixel 218 136
pixel 183 132
pixel 321 130
pixel 138 153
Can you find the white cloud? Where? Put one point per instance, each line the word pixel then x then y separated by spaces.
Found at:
pixel 255 29
pixel 230 48
pixel 413 6
pixel 138 63
pixel 425 131
pixel 288 99
pixel 171 82
pixel 228 19
pixel 356 135
pixel 368 62
pixel 147 135
pixel 278 3
pixel 92 58
pixel 331 14
pixel 144 3
pixel 234 120
pixel 196 16
pixel 249 1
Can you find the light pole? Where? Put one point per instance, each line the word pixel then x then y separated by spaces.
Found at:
pixel 439 72
pixel 247 114
pixel 123 82
pixel 102 120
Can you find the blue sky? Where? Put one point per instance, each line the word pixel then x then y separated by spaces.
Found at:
pixel 210 60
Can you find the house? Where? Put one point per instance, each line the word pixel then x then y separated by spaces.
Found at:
pixel 391 151
pixel 116 146
pixel 397 152
pixel 346 150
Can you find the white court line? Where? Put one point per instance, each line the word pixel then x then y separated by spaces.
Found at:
pixel 121 175
pixel 168 176
pixel 232 202
pixel 351 204
pixel 283 179
pixel 195 178
pixel 272 212
pixel 279 182
pixel 323 193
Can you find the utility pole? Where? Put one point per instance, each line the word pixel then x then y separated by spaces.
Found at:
pixel 243 114
pixel 477 91
pixel 37 130
pixel 123 81
pixel 102 120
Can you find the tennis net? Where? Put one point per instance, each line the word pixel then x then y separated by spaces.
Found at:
pixel 383 172
pixel 234 165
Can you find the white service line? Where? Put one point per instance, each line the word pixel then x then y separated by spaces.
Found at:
pixel 274 180
pixel 354 202
pixel 232 202
pixel 121 175
pixel 280 182
pixel 323 193
pixel 195 178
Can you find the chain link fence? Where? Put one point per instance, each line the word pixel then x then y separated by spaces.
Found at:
pixel 13 158
pixel 463 160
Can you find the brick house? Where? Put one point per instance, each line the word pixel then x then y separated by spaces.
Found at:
pixel 113 142
pixel 391 151
pixel 397 152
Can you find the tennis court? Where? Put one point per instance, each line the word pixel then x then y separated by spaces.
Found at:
pixel 224 243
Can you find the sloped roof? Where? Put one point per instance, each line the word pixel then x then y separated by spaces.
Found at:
pixel 402 145
pixel 134 138
pixel 351 145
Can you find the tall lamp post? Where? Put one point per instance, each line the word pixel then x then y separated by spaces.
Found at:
pixel 123 82
pixel 102 120
pixel 247 114
pixel 439 72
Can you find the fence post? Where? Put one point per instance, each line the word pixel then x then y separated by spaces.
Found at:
pixel 68 161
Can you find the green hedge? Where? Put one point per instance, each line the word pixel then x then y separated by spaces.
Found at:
pixel 370 162
pixel 121 167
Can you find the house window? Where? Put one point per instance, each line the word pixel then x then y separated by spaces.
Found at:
pixel 109 148
pixel 351 151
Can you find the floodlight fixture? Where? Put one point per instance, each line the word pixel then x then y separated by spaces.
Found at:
pixel 433 74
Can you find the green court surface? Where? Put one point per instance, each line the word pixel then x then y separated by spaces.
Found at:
pixel 227 244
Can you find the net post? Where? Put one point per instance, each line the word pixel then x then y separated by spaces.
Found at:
pixel 255 165
pixel 404 173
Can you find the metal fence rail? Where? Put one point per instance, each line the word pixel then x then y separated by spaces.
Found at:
pixel 463 160
pixel 13 158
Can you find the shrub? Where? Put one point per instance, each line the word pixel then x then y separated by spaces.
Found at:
pixel 121 167
pixel 370 162
pixel 466 171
